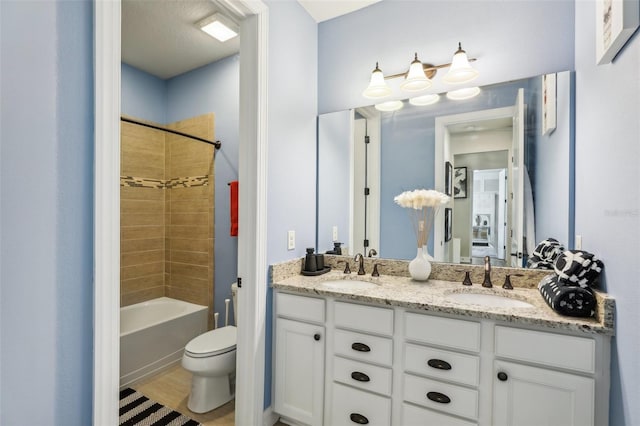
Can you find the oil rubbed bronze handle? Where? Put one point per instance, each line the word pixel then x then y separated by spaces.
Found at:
pixel 359 419
pixel 360 377
pixel 439 364
pixel 502 376
pixel 438 397
pixel 316 337
pixel 360 347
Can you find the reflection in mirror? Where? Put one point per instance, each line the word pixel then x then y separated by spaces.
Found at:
pixel 476 136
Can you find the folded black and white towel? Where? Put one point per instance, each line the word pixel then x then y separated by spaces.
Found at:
pixel 574 301
pixel 545 254
pixel 578 268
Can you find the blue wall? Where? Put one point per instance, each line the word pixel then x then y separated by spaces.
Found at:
pixel 291 198
pixel 505 36
pixel 210 88
pixel 143 95
pixel 46 213
pixel 608 194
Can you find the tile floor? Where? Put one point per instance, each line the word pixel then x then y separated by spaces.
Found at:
pixel 171 388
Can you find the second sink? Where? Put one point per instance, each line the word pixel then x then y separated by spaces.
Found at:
pixel 492 300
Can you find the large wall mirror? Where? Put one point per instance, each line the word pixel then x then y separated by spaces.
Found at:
pixel 511 178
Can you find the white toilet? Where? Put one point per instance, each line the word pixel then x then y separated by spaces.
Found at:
pixel 211 358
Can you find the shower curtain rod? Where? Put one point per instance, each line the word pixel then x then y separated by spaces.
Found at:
pixel 217 144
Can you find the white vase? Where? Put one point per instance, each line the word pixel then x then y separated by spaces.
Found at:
pixel 420 267
pixel 426 254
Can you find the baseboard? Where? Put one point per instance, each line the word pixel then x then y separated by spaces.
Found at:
pixel 269 418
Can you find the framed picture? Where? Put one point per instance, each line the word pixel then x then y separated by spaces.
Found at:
pixel 448 223
pixel 448 178
pixel 548 103
pixel 616 21
pixel 460 182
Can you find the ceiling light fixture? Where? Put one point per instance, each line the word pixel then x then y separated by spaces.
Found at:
pixel 219 27
pixel 419 75
pixel 389 106
pixel 425 100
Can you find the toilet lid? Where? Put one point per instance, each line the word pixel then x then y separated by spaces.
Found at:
pixel 213 342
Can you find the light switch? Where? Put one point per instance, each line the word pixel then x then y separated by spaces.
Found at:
pixel 291 240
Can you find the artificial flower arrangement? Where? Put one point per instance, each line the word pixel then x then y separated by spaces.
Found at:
pixel 424 205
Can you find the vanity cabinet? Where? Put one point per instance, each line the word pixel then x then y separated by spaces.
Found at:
pixel 558 388
pixel 300 358
pixel 381 365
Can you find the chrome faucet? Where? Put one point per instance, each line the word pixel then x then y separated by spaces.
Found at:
pixel 487 272
pixel 360 258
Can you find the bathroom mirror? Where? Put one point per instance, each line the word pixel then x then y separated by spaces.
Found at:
pixel 382 154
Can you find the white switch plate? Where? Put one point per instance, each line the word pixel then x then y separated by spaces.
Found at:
pixel 291 240
pixel 578 244
pixel 335 233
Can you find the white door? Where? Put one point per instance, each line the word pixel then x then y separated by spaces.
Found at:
pixel 502 213
pixel 359 185
pixel 517 182
pixel 299 374
pixel 531 396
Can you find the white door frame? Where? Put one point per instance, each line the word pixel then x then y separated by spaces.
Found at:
pixel 252 265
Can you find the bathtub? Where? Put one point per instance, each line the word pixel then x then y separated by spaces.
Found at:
pixel 153 335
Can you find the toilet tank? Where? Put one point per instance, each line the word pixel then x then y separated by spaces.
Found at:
pixel 234 295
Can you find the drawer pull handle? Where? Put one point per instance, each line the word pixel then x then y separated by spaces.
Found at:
pixel 316 337
pixel 360 347
pixel 438 397
pixel 360 377
pixel 359 419
pixel 439 364
pixel 502 376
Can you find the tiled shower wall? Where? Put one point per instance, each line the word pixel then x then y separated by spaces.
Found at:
pixel 167 213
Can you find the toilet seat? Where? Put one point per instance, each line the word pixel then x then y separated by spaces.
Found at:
pixel 212 343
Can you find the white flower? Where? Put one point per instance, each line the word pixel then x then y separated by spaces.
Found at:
pixel 424 203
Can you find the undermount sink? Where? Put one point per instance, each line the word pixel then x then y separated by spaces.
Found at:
pixel 348 285
pixel 490 300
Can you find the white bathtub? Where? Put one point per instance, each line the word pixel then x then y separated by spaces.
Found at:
pixel 153 335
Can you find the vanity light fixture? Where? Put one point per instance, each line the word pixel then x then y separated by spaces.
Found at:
pixel 419 75
pixel 389 106
pixel 460 71
pixel 462 94
pixel 425 100
pixel 219 27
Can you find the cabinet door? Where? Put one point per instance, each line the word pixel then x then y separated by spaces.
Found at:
pixel 299 389
pixel 524 395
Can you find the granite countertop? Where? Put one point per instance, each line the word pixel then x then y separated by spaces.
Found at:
pixel 432 295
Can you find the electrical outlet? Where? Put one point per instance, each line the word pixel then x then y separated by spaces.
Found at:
pixel 578 244
pixel 291 240
pixel 335 233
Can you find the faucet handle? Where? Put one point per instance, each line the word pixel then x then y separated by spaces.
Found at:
pixel 347 269
pixel 507 281
pixel 467 279
pixel 375 272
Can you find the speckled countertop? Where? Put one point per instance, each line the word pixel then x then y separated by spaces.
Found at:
pixel 401 291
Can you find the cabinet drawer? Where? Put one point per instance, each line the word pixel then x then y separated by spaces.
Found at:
pixel 364 318
pixel 453 399
pixel 300 307
pixel 556 350
pixel 363 347
pixel 446 365
pixel 453 333
pixel 412 415
pixel 353 406
pixel 362 375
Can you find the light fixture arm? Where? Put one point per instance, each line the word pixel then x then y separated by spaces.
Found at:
pixel 429 70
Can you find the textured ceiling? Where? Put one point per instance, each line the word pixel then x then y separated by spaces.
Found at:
pixel 161 38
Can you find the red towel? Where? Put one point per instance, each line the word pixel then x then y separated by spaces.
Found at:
pixel 234 207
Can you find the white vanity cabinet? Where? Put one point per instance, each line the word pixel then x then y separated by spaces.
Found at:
pixel 382 365
pixel 545 378
pixel 299 358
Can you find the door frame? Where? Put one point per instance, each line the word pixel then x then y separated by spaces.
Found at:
pixel 252 263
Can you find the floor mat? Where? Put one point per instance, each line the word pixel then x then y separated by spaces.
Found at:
pixel 137 409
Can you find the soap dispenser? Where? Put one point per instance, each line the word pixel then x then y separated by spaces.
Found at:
pixel 310 261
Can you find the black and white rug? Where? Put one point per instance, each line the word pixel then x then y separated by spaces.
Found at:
pixel 137 409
